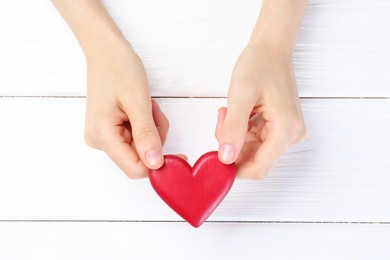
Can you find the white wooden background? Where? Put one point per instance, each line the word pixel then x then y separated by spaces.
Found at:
pixel 327 198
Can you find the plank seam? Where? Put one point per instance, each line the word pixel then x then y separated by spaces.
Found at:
pixel 212 221
pixel 189 97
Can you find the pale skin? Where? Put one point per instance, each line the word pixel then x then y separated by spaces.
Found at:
pixel 263 116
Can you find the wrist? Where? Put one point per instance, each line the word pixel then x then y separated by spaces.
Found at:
pixel 279 39
pixel 272 47
pixel 108 49
pixel 103 47
pixel 278 25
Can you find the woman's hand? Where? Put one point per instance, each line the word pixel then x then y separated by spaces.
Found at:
pixel 263 116
pixel 121 118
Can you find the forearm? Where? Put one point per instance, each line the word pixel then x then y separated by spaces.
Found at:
pixel 278 24
pixel 91 23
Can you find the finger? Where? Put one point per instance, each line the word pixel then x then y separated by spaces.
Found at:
pixel 264 159
pixel 144 131
pixel 183 156
pixel 252 114
pixel 161 121
pixel 235 124
pixel 125 157
pixel 256 129
pixel 220 118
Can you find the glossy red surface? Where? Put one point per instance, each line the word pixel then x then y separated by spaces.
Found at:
pixel 193 192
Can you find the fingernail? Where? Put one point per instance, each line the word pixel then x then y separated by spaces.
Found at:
pixel 153 157
pixel 227 153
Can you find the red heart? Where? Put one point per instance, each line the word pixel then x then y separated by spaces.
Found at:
pixel 194 193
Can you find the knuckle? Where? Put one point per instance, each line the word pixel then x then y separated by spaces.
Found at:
pixel 144 133
pixel 295 128
pixel 237 120
pixel 136 174
pixel 90 143
pixel 95 133
pixel 299 132
pixel 235 125
pixel 91 135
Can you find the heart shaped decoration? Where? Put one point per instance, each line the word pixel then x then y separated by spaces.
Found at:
pixel 193 192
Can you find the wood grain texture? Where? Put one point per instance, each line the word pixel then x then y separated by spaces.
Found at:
pixel 230 241
pixel 339 173
pixel 189 47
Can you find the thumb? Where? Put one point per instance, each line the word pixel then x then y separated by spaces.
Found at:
pixel 145 134
pixel 232 127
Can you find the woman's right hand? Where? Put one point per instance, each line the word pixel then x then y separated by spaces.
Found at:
pixel 121 118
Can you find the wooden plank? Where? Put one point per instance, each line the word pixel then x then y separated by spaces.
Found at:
pixel 189 47
pixel 340 173
pixel 180 241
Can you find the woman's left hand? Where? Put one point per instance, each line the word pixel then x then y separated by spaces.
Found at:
pixel 263 116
